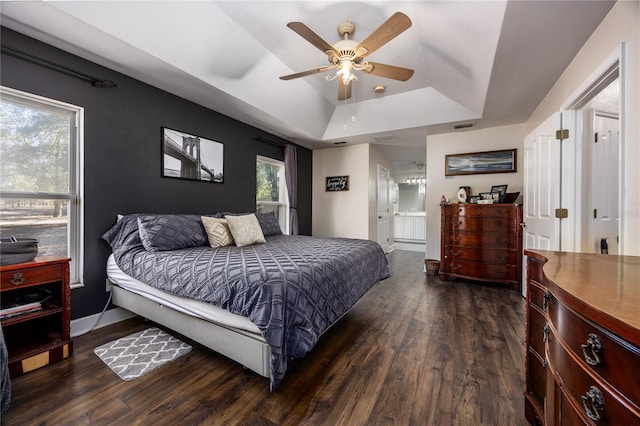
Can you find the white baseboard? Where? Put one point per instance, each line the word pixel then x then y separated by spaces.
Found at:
pixel 83 325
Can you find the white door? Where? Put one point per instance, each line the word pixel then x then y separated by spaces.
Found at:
pixel 604 184
pixel 383 208
pixel 541 186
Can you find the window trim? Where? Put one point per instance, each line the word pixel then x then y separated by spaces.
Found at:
pixel 75 193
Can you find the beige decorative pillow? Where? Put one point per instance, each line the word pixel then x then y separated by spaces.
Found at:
pixel 217 231
pixel 245 229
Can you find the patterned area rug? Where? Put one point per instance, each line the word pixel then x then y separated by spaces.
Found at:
pixel 139 353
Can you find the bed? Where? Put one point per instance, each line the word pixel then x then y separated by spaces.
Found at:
pixel 262 300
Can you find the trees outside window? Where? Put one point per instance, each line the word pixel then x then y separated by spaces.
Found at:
pixel 40 174
pixel 271 190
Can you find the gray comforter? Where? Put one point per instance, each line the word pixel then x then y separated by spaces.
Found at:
pixel 293 287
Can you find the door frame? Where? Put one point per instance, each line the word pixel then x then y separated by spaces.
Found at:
pixel 593 84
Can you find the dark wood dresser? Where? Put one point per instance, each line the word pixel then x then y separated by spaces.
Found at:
pixel 582 339
pixel 482 242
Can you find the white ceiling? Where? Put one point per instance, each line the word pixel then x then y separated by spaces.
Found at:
pixel 487 62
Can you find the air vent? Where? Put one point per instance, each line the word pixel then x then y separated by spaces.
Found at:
pixel 464 126
pixel 385 138
pixel 340 143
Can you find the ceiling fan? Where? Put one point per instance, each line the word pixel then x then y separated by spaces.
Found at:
pixel 347 55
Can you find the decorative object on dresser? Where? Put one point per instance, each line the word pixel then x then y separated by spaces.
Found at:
pixel 482 242
pixel 17 250
pixel 463 194
pixel 35 300
pixel 582 339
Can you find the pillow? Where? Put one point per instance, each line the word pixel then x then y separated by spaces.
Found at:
pixel 245 230
pixel 218 231
pixel 171 232
pixel 269 224
pixel 124 233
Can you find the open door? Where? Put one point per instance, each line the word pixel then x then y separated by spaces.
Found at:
pixel 604 183
pixel 541 184
pixel 547 167
pixel 383 206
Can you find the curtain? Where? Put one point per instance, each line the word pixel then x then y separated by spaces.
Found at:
pixel 291 177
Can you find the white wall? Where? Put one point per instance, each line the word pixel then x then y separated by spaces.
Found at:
pixel 496 138
pixel 621 25
pixel 344 213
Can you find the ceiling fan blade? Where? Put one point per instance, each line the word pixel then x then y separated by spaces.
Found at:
pixel 306 73
pixel 388 71
pixel 344 92
pixel 313 38
pixel 386 32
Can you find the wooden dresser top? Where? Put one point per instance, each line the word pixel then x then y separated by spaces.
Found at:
pixel 605 287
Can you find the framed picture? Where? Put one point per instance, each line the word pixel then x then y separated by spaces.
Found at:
pixel 499 189
pixel 187 156
pixel 486 196
pixel 504 161
pixel 463 194
pixel 474 199
pixel 337 183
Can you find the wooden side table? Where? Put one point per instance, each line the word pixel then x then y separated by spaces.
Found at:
pixel 36 335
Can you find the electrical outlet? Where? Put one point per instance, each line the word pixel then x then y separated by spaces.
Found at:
pixel 108 283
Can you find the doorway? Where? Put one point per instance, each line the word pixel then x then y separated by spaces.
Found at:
pixel 383 207
pixel 601 164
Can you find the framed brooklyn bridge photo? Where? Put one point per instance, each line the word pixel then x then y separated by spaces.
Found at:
pixel 186 156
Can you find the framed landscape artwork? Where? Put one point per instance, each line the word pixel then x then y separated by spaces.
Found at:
pixel 503 161
pixel 186 156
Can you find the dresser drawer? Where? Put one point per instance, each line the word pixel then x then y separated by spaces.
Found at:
pixel 534 269
pixel 585 391
pixel 31 276
pixel 487 224
pixel 616 358
pixel 536 325
pixel 536 295
pixel 536 386
pixel 488 240
pixel 495 256
pixel 484 271
pixel 484 210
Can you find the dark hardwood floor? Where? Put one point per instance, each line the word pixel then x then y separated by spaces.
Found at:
pixel 414 351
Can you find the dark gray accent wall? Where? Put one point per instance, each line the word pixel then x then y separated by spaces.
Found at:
pixel 122 153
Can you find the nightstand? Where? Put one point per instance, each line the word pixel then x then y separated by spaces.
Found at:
pixel 37 333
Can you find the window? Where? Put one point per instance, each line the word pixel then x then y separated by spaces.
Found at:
pixel 40 174
pixel 271 190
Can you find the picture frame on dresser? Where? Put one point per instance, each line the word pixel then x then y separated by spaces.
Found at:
pixel 501 190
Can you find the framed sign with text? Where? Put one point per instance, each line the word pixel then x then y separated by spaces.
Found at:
pixel 337 183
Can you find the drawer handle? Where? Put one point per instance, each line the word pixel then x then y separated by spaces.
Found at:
pixel 17 279
pixel 593 403
pixel 455 240
pixel 594 346
pixel 547 330
pixel 456 253
pixel 545 301
pixel 455 268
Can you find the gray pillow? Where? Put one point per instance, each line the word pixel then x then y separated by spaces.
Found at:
pixel 171 232
pixel 269 224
